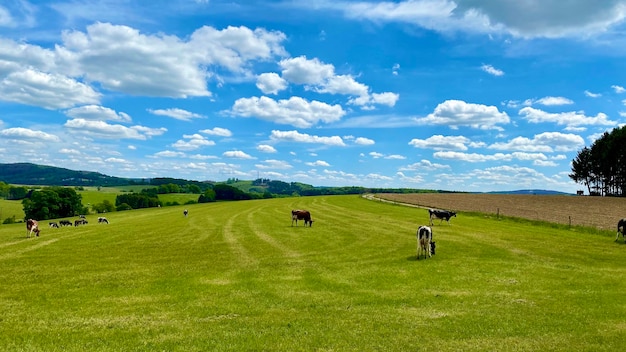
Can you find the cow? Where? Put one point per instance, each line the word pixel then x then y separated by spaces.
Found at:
pixel 424 241
pixel 299 214
pixel 621 228
pixel 32 226
pixel 185 212
pixel 80 222
pixel 441 215
pixel 103 220
pixel 53 224
pixel 65 223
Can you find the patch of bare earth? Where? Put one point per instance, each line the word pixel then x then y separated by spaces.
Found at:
pixel 599 212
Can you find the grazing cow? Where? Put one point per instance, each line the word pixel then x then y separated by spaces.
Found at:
pixel 65 223
pixel 424 241
pixel 185 212
pixel 53 224
pixel 80 222
pixel 621 228
pixel 103 219
pixel 82 216
pixel 299 214
pixel 441 215
pixel 32 226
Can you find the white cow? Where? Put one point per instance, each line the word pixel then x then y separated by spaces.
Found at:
pixel 32 226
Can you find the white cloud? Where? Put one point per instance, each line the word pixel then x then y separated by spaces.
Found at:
pixel 492 70
pixel 96 112
pixel 592 95
pixel 618 89
pixel 192 142
pixel 123 59
pixel 456 113
pixel 178 114
pixel 264 148
pixel 364 141
pixel 543 142
pixel 217 131
pixel 295 111
pixel 274 164
pixel 570 119
pixel 105 130
pixel 476 157
pixel 551 101
pixel 424 165
pixel 528 19
pixel 321 78
pixel 271 83
pixel 47 90
pixel 318 163
pixel 19 133
pixel 439 142
pixel 295 136
pixel 237 154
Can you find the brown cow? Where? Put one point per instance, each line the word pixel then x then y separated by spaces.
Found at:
pixel 32 226
pixel 299 214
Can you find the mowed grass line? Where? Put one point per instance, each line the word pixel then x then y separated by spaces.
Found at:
pixel 237 276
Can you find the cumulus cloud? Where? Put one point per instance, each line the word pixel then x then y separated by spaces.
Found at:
pixel 477 157
pixel 543 142
pixel 456 113
pixel 274 164
pixel 570 119
pixel 112 131
pixel 264 148
pixel 364 141
pixel 192 142
pixel 237 154
pixel 318 163
pixel 295 136
pixel 96 112
pixel 217 131
pixel 47 90
pixel 528 19
pixel 294 111
pixel 178 114
pixel 439 142
pixel 271 83
pixel 20 133
pixel 321 77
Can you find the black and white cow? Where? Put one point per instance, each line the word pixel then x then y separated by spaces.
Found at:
pixel 32 226
pixel 103 220
pixel 53 224
pixel 441 215
pixel 621 228
pixel 65 223
pixel 80 222
pixel 185 212
pixel 424 241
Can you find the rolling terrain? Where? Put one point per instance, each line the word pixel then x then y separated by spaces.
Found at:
pixel 236 276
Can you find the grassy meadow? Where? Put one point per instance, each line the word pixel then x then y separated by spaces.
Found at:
pixel 236 276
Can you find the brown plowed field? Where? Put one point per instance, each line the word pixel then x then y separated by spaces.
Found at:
pixel 598 212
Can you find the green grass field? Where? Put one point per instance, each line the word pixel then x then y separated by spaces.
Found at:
pixel 236 276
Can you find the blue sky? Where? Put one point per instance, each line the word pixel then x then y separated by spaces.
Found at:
pixel 460 95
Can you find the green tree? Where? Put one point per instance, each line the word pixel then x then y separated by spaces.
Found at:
pixel 52 202
pixel 207 196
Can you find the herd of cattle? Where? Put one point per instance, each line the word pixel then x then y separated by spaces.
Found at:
pixel 32 226
pixel 425 243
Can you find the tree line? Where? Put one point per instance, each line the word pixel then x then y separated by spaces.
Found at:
pixel 601 168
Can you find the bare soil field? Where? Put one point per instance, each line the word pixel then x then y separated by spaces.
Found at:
pixel 598 212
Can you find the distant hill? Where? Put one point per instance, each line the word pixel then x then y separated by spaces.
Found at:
pixel 41 175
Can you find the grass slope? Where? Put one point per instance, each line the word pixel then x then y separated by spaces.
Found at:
pixel 237 276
